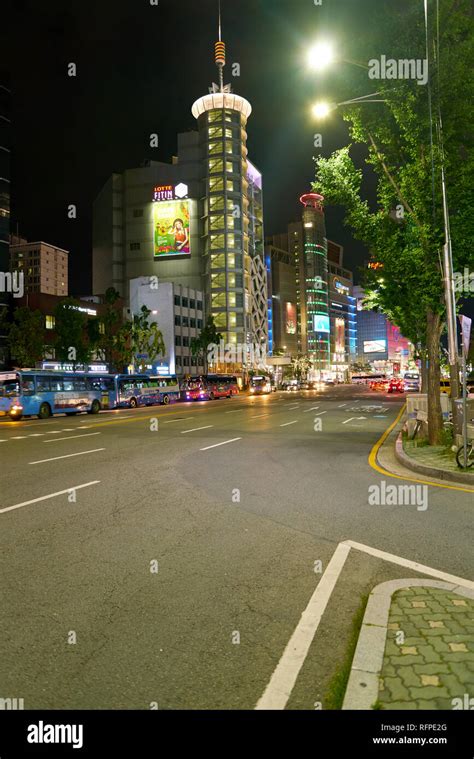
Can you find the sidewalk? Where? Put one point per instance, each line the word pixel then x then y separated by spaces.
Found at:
pixel 432 461
pixel 435 662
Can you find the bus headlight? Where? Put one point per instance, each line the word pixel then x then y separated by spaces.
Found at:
pixel 16 408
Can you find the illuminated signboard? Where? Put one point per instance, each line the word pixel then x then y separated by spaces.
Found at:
pixel 170 192
pixel 340 335
pixel 321 323
pixel 171 228
pixel 290 319
pixel 375 346
pixel 339 287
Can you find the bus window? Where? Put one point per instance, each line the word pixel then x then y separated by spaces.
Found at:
pixel 43 384
pixel 9 388
pixel 28 386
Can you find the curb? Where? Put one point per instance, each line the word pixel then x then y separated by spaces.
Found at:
pixel 440 474
pixel 363 685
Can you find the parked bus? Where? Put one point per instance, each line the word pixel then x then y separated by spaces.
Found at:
pixel 41 393
pixel 207 388
pixel 228 379
pixel 134 390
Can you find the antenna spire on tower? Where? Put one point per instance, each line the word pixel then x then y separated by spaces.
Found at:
pixel 220 53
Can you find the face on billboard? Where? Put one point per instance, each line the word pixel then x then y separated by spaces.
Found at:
pixel 171 225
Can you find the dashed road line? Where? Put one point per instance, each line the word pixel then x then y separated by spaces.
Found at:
pixel 51 495
pixel 198 429
pixel 287 424
pixel 68 456
pixel 217 445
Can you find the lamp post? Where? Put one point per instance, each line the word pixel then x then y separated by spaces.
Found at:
pixel 320 57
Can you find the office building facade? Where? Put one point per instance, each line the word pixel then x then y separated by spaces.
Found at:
pixel 44 267
pixel 179 313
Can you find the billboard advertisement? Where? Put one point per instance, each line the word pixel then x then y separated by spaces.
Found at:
pixel 322 323
pixel 171 228
pixel 290 318
pixel 340 341
pixel 375 346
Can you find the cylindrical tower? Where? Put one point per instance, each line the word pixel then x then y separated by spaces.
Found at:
pixel 316 286
pixel 222 119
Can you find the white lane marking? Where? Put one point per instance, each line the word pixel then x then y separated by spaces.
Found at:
pixel 237 411
pixel 72 437
pixel 36 434
pixel 342 405
pixel 285 675
pixel 287 424
pixel 55 432
pixel 393 559
pixel 51 495
pixel 184 419
pixel 321 412
pixel 68 429
pixel 356 418
pixel 234 440
pixel 68 456
pixel 84 428
pixel 18 437
pixel 314 408
pixel 261 416
pixel 197 429
pixel 3 441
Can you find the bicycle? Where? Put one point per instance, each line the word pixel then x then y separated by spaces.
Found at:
pixel 469 457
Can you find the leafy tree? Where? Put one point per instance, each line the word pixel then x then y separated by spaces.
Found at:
pixel 301 365
pixel 146 339
pixel 26 337
pixel 405 232
pixel 114 337
pixel 201 345
pixel 72 344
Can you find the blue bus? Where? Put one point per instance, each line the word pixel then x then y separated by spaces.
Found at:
pixel 32 392
pixel 134 390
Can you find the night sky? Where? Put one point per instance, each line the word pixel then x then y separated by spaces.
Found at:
pixel 140 68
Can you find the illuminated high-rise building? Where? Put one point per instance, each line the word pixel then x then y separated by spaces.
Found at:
pixel 236 288
pixel 313 282
pixel 196 222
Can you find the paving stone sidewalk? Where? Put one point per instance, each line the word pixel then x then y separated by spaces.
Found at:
pixel 432 662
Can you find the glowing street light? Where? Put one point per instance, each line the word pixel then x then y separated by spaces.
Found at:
pixel 322 109
pixel 321 55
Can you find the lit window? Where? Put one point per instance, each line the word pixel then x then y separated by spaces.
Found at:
pixel 217 241
pixel 50 322
pixel 218 262
pixel 216 166
pixel 216 132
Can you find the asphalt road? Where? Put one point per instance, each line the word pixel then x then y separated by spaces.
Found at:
pixel 164 556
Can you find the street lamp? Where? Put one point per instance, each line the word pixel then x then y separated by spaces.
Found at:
pixel 323 108
pixel 321 55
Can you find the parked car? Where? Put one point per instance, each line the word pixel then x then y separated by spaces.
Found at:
pixel 303 385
